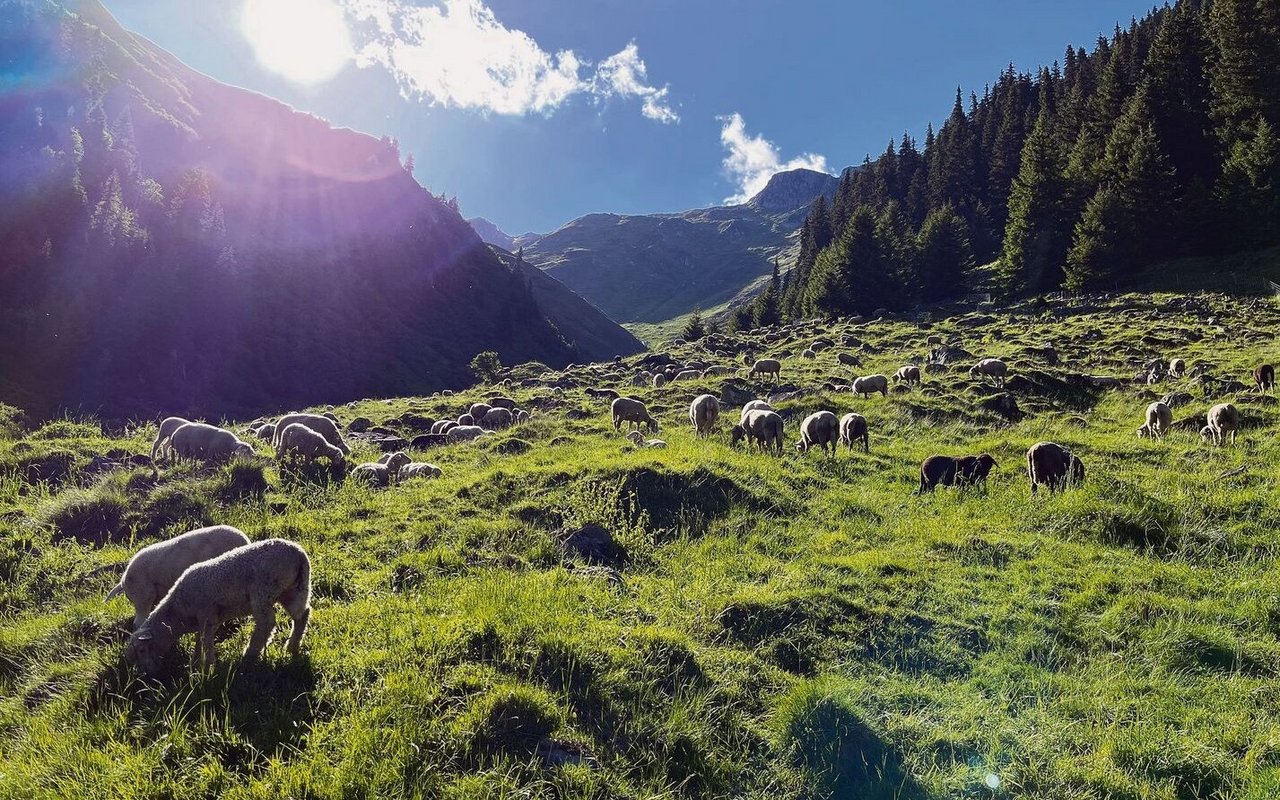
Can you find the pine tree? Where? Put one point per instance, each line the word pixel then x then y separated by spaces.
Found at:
pixel 1036 237
pixel 1096 253
pixel 1177 78
pixel 852 276
pixel 694 329
pixel 1249 190
pixel 898 249
pixel 1245 73
pixel 945 256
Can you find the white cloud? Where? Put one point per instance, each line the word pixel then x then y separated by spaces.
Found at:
pixel 456 53
pixel 753 160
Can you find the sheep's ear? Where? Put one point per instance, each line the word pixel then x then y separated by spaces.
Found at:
pixel 143 636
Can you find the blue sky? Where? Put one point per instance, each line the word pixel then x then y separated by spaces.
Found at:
pixel 587 122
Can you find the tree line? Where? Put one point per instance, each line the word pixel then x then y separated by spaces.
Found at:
pixel 1160 142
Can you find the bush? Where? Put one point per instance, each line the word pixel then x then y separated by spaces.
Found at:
pixel 510 718
pixel 172 504
pixel 243 478
pixel 93 516
pixel 67 429
pixel 11 421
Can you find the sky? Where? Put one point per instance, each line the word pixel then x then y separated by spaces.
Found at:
pixel 535 112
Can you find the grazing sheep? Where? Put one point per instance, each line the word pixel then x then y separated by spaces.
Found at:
pixel 820 428
pixel 954 471
pixel 299 440
pixel 633 412
pixel 849 360
pixel 992 368
pixel 153 570
pixel 502 402
pixel 761 427
pixel 200 442
pixel 910 374
pixel 1177 367
pixel 703 413
pixel 809 354
pixel 767 367
pixel 164 434
pixel 1223 419
pixel 642 379
pixel 466 419
pixel 521 416
pixel 497 419
pixel 418 469
pixel 753 405
pixel 446 426
pixel 372 473
pixel 659 381
pixel 1264 377
pixel 1053 465
pixel 266 431
pixel 465 433
pixel 316 422
pixel 1159 418
pixel 852 428
pixel 688 375
pixel 868 385
pixel 477 411
pixel 714 371
pixel 248 580
pixel 394 461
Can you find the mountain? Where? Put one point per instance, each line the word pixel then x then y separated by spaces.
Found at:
pixel 650 268
pixel 492 234
pixel 171 244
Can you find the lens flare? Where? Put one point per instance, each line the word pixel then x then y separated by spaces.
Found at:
pixel 306 41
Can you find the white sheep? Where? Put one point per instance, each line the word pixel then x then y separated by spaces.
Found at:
pixel 910 375
pixel 852 428
pixel 198 441
pixel 465 433
pixel 394 462
pixel 637 438
pixel 703 413
pixel 659 381
pixel 688 375
pixel 418 469
pixel 163 435
pixel 496 419
pixel 1159 418
pixel 820 428
pixel 632 412
pixel 372 474
pixel 298 440
pixel 868 385
pixel 762 427
pixel 248 580
pixel 153 570
pixel 767 367
pixel 478 410
pixel 317 422
pixel 1223 420
pixel 754 405
pixel 992 368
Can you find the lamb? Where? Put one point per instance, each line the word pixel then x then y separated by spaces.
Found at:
pixel 992 368
pixel 1223 419
pixel 164 434
pixel 465 433
pixel 762 427
pixel 637 438
pixel 209 443
pixel 849 360
pixel 852 428
pixel 1159 418
pixel 1053 465
pixel 466 419
pixel 316 422
pixel 910 374
pixel 477 411
pixel 868 385
pixel 954 471
pixel 497 419
pixel 266 431
pixel 247 580
pixel 768 367
pixel 502 402
pixel 373 474
pixel 1176 367
pixel 659 381
pixel 153 570
pixel 301 441
pixel 1264 377
pixel 633 412
pixel 395 461
pixel 820 428
pixel 703 413
pixel 418 469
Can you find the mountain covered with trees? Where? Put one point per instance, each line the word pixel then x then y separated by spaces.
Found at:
pixel 653 267
pixel 172 244
pixel 1159 142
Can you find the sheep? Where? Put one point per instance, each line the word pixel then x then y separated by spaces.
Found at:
pixel 637 438
pixel 910 374
pixel 466 419
pixel 703 413
pixel 497 419
pixel 659 381
pixel 316 422
pixel 417 469
pixel 753 405
pixel 163 435
pixel 477 411
pixel 521 416
pixel 717 370
pixel 299 440
pixel 808 354
pixel 502 402
pixel 954 471
pixel 868 385
pixel 849 360
pixel 209 443
pixel 442 425
pixel 767 367
pixel 1053 465
pixel 1223 420
pixel 1159 418
pixel 633 412
pixel 1176 367
pixel 820 428
pixel 395 461
pixel 153 570
pixel 1264 377
pixel 688 375
pixel 373 474
pixel 642 379
pixel 763 427
pixel 992 368
pixel 248 580
pixel 266 431
pixel 852 428
pixel 329 415
pixel 465 433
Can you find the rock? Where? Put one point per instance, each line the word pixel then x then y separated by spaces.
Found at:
pixel 1004 404
pixel 595 545
pixel 426 441
pixel 1175 399
pixel 736 393
pixel 360 425
pixel 513 447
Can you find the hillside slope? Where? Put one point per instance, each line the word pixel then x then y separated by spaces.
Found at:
pixel 784 627
pixel 170 244
pixel 650 268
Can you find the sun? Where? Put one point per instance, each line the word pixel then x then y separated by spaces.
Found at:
pixel 306 41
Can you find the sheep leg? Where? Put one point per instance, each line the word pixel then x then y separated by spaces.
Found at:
pixel 300 619
pixel 205 646
pixel 264 625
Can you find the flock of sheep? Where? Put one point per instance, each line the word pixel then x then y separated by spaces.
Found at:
pixel 195 582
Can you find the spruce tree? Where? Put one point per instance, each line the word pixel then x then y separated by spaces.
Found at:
pixel 1245 73
pixel 1036 237
pixel 852 276
pixel 694 329
pixel 1096 253
pixel 1249 190
pixel 944 256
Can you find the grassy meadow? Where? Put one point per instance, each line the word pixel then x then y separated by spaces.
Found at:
pixel 788 627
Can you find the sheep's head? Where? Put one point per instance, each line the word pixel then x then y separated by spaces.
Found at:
pixel 1075 471
pixel 148 645
pixel 397 460
pixel 243 450
pixel 983 465
pixel 635 437
pixel 737 434
pixel 1144 431
pixel 802 446
pixel 1206 433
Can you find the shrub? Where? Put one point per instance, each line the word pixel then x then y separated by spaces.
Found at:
pixel 67 429
pixel 11 421
pixel 510 718
pixel 93 516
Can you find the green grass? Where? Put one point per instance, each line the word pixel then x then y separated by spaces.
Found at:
pixel 782 628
